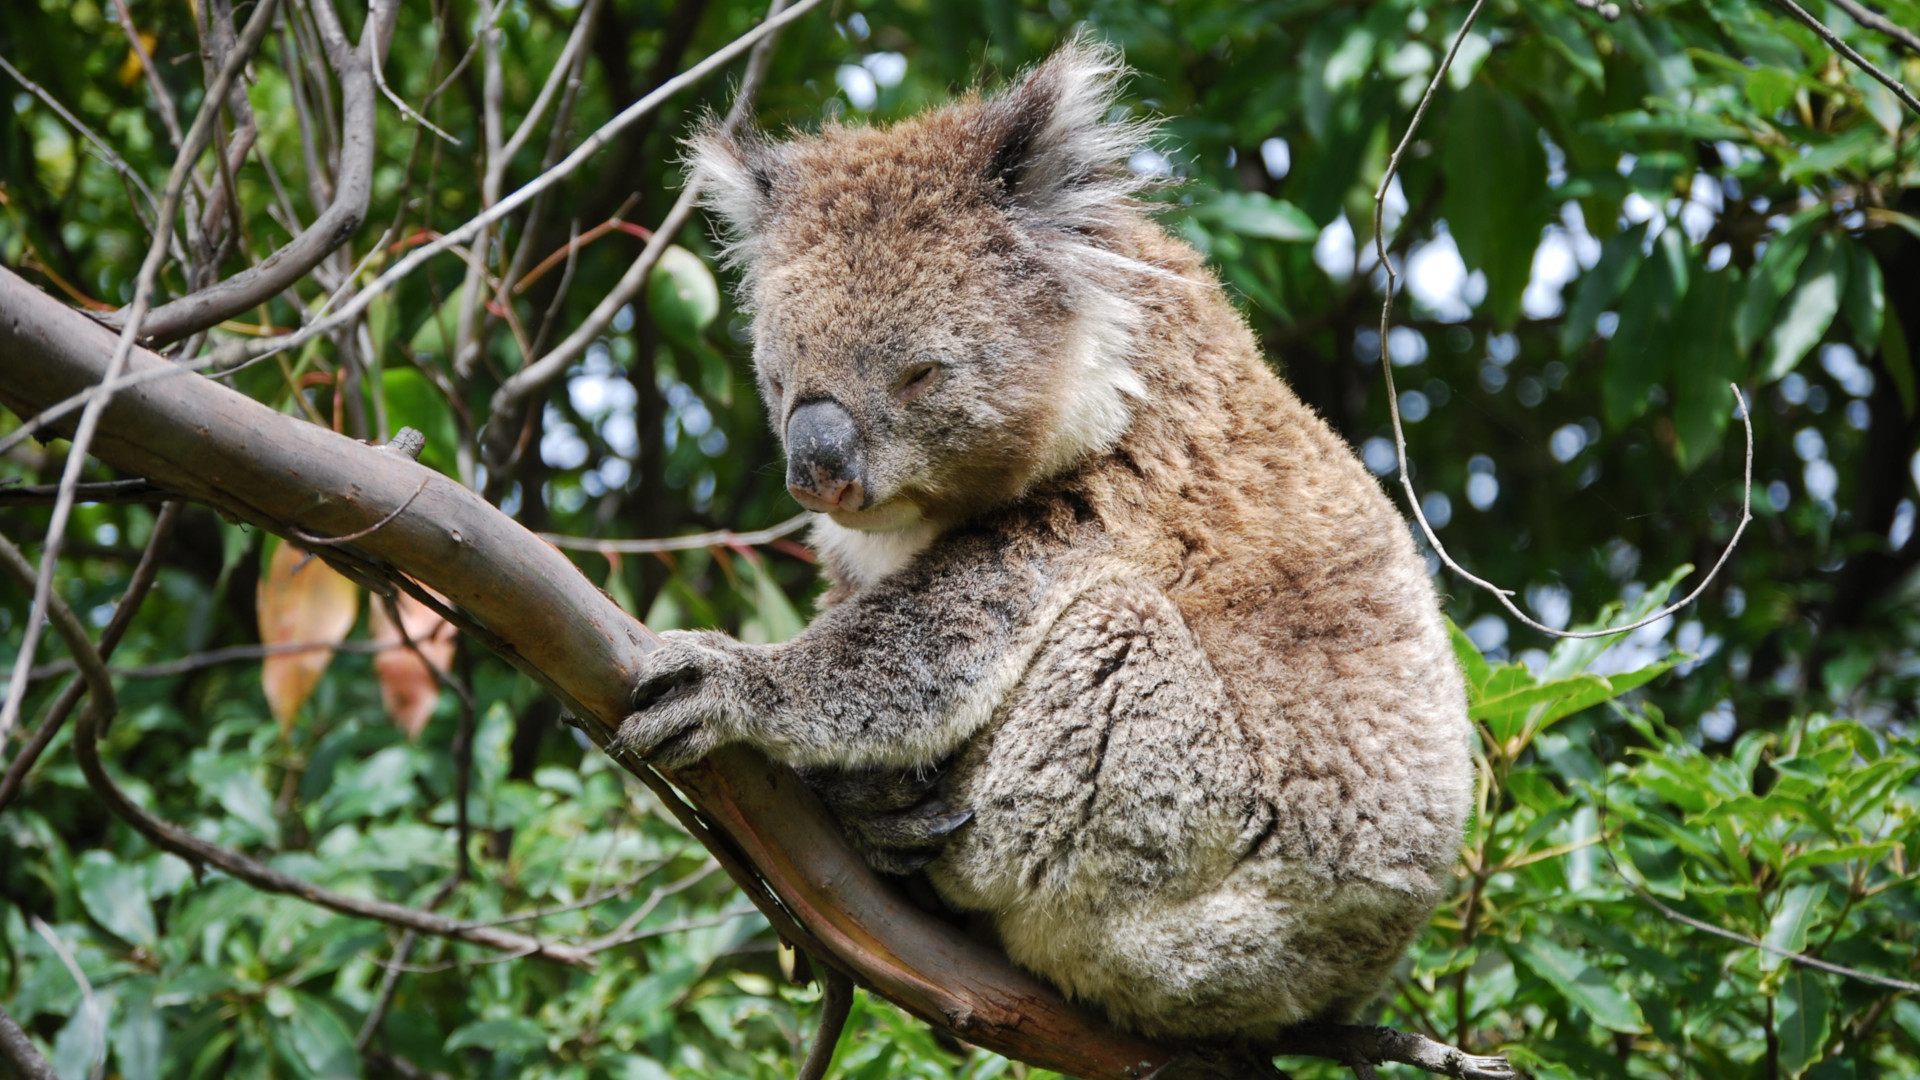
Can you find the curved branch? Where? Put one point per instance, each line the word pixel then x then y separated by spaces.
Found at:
pixel 20 1053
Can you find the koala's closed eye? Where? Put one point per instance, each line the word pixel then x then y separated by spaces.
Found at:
pixel 916 380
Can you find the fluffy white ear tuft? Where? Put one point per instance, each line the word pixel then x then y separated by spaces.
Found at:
pixel 1057 149
pixel 736 181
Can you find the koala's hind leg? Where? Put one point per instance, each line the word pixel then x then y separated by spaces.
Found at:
pixel 1116 772
pixel 896 818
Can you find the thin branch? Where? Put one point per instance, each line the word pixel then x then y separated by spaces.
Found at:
pixel 137 588
pixel 83 434
pixel 235 353
pixel 1873 20
pixel 346 210
pixel 200 661
pixel 390 982
pixel 97 1054
pixel 167 836
pixel 836 1001
pixel 360 534
pixel 720 538
pixel 505 407
pixel 19 1052
pixel 1392 277
pixel 103 493
pixel 1827 35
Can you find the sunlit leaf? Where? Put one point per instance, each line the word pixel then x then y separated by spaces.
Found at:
pixel 1586 986
pixel 682 295
pixel 1808 312
pixel 408 687
pixel 301 601
pixel 116 896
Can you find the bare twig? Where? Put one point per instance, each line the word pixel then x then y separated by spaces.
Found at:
pixel 504 410
pixel 20 1054
pixel 1827 35
pixel 1505 596
pixel 102 493
pixel 137 587
pixel 235 353
pixel 97 1053
pixel 836 1001
pixel 196 141
pixel 200 661
pixel 335 225
pixel 1873 20
pixel 390 982
pixel 306 537
pixel 720 538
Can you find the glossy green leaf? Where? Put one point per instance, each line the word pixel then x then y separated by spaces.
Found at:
pixel 1495 170
pixel 1799 911
pixel 315 1041
pixel 1771 279
pixel 1709 364
pixel 1586 986
pixel 1254 213
pixel 115 894
pixel 1803 1017
pixel 1808 311
pixel 682 295
pixel 1865 301
pixel 507 1035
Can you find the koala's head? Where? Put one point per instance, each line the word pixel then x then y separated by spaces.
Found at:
pixel 940 309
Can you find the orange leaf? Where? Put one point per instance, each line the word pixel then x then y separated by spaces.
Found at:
pixel 131 68
pixel 408 687
pixel 301 600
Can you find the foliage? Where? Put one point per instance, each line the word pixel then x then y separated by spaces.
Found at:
pixel 1602 223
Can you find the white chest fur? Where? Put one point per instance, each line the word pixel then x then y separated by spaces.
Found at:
pixel 862 558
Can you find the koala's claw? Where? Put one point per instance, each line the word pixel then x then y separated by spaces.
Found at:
pixel 683 707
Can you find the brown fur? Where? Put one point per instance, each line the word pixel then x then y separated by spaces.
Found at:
pixel 1177 647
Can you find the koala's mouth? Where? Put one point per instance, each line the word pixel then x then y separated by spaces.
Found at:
pixel 884 516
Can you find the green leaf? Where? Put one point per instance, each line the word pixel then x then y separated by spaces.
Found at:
pixel 1769 91
pixel 509 1035
pixel 1702 383
pixel 434 334
pixel 1772 276
pixel 1620 257
pixel 315 1041
pixel 81 1043
pixel 1808 312
pixel 1254 213
pixel 414 402
pixel 1580 983
pixel 115 894
pixel 1798 913
pixel 1866 298
pixel 1472 664
pixel 140 1036
pixel 682 295
pixel 1642 353
pixel 1803 1017
pixel 1564 34
pixel 1495 172
pixel 1898 361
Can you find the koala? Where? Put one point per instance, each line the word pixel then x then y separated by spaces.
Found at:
pixel 1124 648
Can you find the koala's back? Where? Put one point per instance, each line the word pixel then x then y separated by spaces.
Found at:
pixel 1227 790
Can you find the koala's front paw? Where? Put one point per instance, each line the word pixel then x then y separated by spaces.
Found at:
pixel 688 698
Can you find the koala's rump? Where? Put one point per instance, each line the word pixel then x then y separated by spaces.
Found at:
pixel 1123 840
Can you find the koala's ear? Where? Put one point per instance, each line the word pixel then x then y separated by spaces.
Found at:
pixel 736 176
pixel 1053 147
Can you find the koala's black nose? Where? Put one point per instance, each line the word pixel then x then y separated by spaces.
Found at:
pixel 825 471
